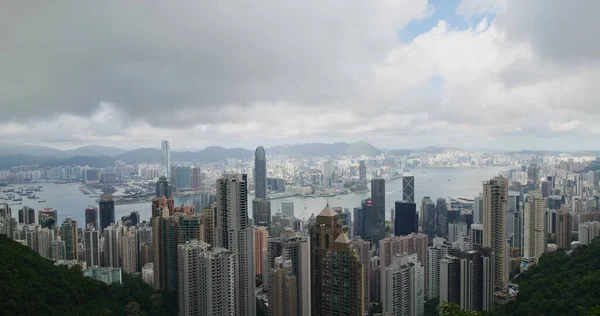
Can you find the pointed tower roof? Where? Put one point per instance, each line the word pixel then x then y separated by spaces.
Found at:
pixel 327 211
pixel 342 238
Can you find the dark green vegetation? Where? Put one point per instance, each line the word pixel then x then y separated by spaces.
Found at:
pixel 32 285
pixel 561 284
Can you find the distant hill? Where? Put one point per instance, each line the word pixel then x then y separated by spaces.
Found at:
pixel 34 150
pixel 32 285
pixel 95 150
pixel 321 149
pixel 399 152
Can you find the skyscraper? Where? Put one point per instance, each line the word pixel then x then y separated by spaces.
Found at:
pixel 130 250
pixel 91 217
pixel 534 236
pixel 261 212
pixel 283 288
pixel 495 198
pixel 107 211
pixel 408 188
pixel 112 250
pixel 260 173
pixel 91 239
pixel 435 254
pixel 428 216
pixel 363 220
pixel 235 234
pixel 327 173
pixel 363 249
pixel 404 286
pixel 183 178
pixel 362 171
pixel 68 234
pixel 563 227
pixel 287 208
pixel 405 218
pixel 261 236
pixel 196 178
pixel 27 215
pixel 378 211
pixel 47 218
pixel 163 190
pixel 166 159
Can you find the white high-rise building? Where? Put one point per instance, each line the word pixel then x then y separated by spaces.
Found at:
pixel 588 231
pixel 91 240
pixel 112 253
pixel 434 256
pixel 235 234
pixel 495 199
pixel 130 251
pixel 404 292
pixel 455 230
pixel 534 228
pixel 166 159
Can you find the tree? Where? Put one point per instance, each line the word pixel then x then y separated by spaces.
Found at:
pixel 451 309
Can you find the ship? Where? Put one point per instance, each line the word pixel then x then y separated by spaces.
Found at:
pixel 42 201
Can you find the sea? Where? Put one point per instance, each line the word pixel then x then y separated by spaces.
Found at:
pixel 432 182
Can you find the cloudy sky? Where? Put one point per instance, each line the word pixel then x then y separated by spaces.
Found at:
pixel 505 74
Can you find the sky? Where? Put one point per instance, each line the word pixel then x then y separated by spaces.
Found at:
pixel 498 74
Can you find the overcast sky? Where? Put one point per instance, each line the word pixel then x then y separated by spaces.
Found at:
pixel 502 74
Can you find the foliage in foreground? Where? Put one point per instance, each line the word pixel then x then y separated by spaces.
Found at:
pixel 32 285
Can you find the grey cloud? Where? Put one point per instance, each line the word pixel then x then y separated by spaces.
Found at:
pixel 160 57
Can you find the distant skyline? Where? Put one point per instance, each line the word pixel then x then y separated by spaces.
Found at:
pixel 497 74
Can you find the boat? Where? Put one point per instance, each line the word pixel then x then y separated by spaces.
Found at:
pixel 18 199
pixel 42 201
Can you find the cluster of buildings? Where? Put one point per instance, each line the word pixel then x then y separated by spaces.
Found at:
pixel 220 260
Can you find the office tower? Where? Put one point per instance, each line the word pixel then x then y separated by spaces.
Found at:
pixel 6 220
pixel 261 212
pixel 91 217
pixel 26 215
pixel 378 210
pixel 406 220
pixel 112 250
pixel 346 218
pixel 517 240
pixel 284 297
pixel 206 280
pixel 363 220
pixel 455 230
pixel 130 251
pixel 450 279
pixel 435 254
pixel 163 189
pixel 363 249
pixel 327 173
pixel 91 239
pixel 68 234
pixel 408 188
pixel 404 286
pixel 563 228
pixel 293 247
pixel 287 208
pixel 261 237
pixel 341 269
pixel 107 211
pixel 131 220
pixel 260 173
pixel 428 217
pixel 545 189
pixel 478 209
pixel 533 174
pixel 196 178
pixel 43 237
pixel 476 236
pixel 166 159
pixel 183 178
pixel 495 196
pixel 441 210
pixel 235 234
pixel 322 236
pixel 362 171
pixel 47 218
pixel 588 231
pixel 534 236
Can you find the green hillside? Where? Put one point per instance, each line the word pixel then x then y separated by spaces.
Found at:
pixel 32 285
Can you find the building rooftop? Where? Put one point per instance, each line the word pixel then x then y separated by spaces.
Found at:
pixel 342 239
pixel 327 212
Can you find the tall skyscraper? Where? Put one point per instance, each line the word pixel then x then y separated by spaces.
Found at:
pixel 196 178
pixel 6 220
pixel 435 254
pixel 235 234
pixel 534 237
pixel 260 173
pixel 206 280
pixel 261 212
pixel 163 190
pixel 404 291
pixel 47 218
pixel 261 236
pixel 183 178
pixel 362 171
pixel 27 215
pixel 363 249
pixel 112 249
pixel 563 227
pixel 166 159
pixel 322 236
pixel 130 250
pixel 408 188
pixel 405 218
pixel 495 198
pixel 68 234
pixel 287 208
pixel 428 216
pixel 91 239
pixel 363 220
pixel 327 173
pixel 283 288
pixel 378 211
pixel 91 217
pixel 107 211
